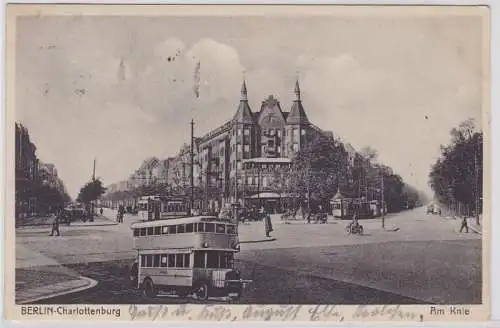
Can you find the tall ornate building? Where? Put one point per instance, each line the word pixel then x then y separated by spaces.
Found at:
pixel 238 159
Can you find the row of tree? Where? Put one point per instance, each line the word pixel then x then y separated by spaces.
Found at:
pixel 324 167
pixel 457 176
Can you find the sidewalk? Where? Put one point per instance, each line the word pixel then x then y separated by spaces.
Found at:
pixel 47 221
pixel 34 284
pixel 39 277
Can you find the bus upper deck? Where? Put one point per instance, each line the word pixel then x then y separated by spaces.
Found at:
pixel 200 232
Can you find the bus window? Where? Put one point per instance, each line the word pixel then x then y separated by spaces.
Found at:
pixel 199 259
pixel 180 228
pixel 209 227
pixel 226 260
pixel 164 230
pixel 157 231
pixel 179 260
pixel 150 231
pixel 171 260
pixel 143 260
pixel 163 261
pixel 143 231
pixel 189 227
pixel 136 232
pixel 220 228
pixel 231 229
pixel 172 229
pixel 212 260
pixel 149 261
pixel 156 260
pixel 201 227
pixel 187 260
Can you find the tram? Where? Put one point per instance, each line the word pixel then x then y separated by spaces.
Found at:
pixel 162 207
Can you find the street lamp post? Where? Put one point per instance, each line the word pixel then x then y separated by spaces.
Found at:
pixel 192 168
pixel 382 198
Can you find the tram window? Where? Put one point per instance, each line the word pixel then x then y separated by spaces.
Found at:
pixel 231 229
pixel 199 259
pixel 163 261
pixel 157 231
pixel 226 260
pixel 149 261
pixel 143 260
pixel 172 229
pixel 136 232
pixel 164 230
pixel 179 260
pixel 201 227
pixel 171 260
pixel 180 228
pixel 143 231
pixel 209 227
pixel 156 260
pixel 220 228
pixel 187 260
pixel 189 227
pixel 150 231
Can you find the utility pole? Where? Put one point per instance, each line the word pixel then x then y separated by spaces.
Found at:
pixel 93 172
pixel 382 198
pixel 192 167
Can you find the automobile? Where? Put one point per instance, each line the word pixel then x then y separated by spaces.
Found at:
pixel 76 211
pixel 433 209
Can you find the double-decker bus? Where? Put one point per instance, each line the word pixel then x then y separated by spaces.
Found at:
pixel 162 207
pixel 187 256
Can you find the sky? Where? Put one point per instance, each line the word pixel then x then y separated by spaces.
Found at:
pixel 120 89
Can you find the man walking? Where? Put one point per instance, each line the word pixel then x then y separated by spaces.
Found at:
pixel 464 225
pixel 55 224
pixel 268 225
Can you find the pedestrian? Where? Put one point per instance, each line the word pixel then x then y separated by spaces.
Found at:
pixel 268 225
pixel 464 225
pixel 55 224
pixel 101 210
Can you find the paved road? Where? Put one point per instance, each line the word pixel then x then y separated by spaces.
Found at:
pixel 306 254
pixel 271 286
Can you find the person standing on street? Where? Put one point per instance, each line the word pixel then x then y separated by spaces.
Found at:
pixel 101 210
pixel 464 225
pixel 55 224
pixel 268 225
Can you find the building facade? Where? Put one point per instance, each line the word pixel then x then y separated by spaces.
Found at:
pixel 239 160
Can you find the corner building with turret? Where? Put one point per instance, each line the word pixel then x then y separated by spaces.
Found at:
pixel 242 159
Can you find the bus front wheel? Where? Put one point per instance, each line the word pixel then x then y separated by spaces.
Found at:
pixel 149 288
pixel 201 291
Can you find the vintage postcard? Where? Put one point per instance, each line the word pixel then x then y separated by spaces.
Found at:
pixel 247 163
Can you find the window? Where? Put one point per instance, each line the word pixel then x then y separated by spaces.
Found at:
pixel 279 133
pixel 264 182
pixel 209 227
pixel 246 132
pixel 189 227
pixel 164 262
pixel 199 259
pixel 212 260
pixel 180 228
pixel 230 229
pixel 295 147
pixel 239 148
pixel 150 231
pixel 187 260
pixel 250 180
pixel 220 228
pixel 246 148
pixel 225 260
pixel 143 231
pixel 179 260
pixel 156 260
pixel 149 261
pixel 271 132
pixel 164 230
pixel 201 227
pixel 303 132
pixel 239 132
pixel 143 260
pixel 157 231
pixel 264 166
pixel 270 143
pixel 171 260
pixel 136 232
pixel 172 229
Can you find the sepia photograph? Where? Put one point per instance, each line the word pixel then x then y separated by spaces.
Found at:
pixel 248 156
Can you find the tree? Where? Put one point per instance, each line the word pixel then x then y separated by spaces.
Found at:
pixel 315 170
pixel 91 191
pixel 456 177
